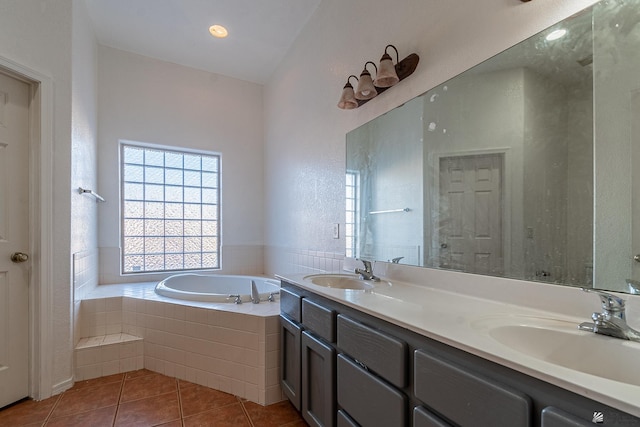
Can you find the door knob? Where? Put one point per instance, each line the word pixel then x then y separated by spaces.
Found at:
pixel 19 257
pixel 636 258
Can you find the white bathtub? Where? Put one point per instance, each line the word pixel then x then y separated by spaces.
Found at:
pixel 215 288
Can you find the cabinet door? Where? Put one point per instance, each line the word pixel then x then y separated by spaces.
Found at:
pixel 369 400
pixel 318 382
pixel 290 334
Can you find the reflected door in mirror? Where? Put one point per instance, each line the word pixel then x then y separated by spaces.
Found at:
pixel 470 213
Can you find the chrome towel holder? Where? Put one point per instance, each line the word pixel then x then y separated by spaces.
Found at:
pixel 98 197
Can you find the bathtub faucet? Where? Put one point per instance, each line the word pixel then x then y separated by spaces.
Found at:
pixel 236 298
pixel 271 296
pixel 255 295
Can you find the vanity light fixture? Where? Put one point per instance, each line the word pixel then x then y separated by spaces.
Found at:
pixel 366 89
pixel 348 100
pixel 387 75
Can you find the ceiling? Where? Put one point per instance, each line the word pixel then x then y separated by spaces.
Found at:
pixel 260 32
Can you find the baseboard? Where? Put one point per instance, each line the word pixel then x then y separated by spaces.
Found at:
pixel 62 386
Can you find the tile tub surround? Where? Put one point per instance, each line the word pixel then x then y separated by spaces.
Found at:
pixel 224 346
pixel 146 398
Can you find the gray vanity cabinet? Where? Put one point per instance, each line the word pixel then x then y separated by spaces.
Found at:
pixel 290 341
pixel 343 367
pixel 308 359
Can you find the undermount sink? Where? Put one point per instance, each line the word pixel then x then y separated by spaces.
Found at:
pixel 340 281
pixel 561 343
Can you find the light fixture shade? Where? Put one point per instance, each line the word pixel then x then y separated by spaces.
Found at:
pixel 387 75
pixel 366 89
pixel 347 100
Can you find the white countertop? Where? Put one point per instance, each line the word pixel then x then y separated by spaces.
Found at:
pixel 436 305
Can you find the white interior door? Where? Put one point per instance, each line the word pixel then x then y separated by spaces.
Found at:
pixel 14 239
pixel 471 213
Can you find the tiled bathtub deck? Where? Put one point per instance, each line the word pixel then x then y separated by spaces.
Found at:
pixel 228 347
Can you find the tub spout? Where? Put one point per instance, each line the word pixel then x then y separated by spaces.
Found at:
pixel 255 296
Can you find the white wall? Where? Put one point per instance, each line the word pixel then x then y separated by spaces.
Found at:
pixel 305 131
pixel 84 128
pixel 147 100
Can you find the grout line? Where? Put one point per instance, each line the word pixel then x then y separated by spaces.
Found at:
pixel 246 413
pixel 53 408
pixel 115 416
pixel 180 402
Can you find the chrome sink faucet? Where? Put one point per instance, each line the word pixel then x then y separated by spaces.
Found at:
pixel 612 320
pixel 367 273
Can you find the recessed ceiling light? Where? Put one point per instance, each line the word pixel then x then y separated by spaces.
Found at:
pixel 218 31
pixel 555 35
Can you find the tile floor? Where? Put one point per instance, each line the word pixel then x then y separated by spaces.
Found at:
pixel 145 398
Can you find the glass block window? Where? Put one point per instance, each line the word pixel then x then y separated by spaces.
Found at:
pixel 352 222
pixel 170 209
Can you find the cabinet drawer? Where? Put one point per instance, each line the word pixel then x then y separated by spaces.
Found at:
pixel 367 399
pixel 383 354
pixel 290 304
pixel 422 417
pixel 554 417
pixel 465 397
pixel 321 320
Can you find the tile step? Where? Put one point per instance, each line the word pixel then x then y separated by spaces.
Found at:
pixel 103 340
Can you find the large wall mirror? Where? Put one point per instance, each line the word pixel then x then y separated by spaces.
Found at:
pixel 521 167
